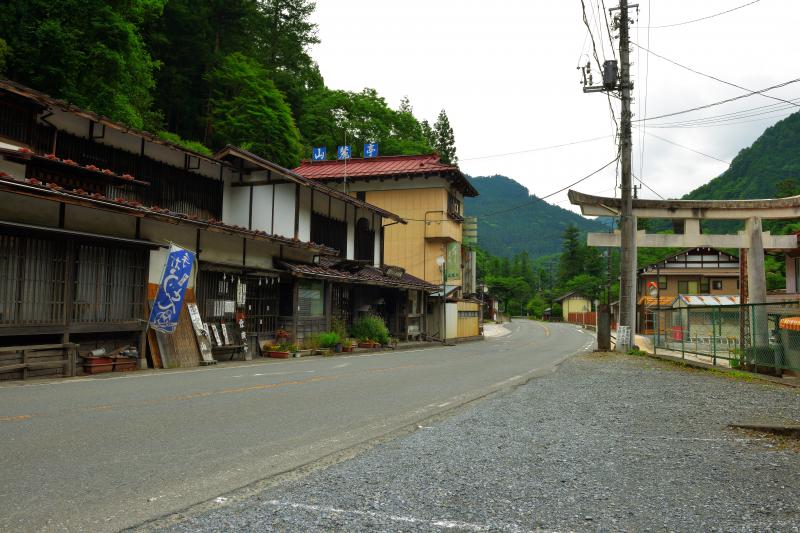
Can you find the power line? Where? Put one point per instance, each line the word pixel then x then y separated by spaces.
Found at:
pixel 687 148
pixel 599 65
pixel 713 104
pixel 538 198
pixel 742 113
pixel 702 18
pixel 780 114
pixel 722 120
pixel 540 149
pixel 608 27
pixel 710 76
pixel 646 94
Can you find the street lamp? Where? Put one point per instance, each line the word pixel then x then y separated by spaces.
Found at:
pixel 441 262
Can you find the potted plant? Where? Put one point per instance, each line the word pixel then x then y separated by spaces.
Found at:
pixel 371 331
pixel 282 351
pixel 282 335
pixel 123 363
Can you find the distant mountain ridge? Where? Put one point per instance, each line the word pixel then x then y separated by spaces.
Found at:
pixel 535 228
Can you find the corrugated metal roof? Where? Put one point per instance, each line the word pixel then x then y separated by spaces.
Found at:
pixel 699 300
pixel 383 166
pixel 662 301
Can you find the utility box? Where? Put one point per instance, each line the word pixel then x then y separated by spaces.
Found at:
pixel 610 74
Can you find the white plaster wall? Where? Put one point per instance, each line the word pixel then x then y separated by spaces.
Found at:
pixel 338 209
pixel 451 310
pixel 8 146
pixel 304 219
pixel 296 254
pixel 220 248
pixel 377 253
pixel 163 233
pixel 351 233
pixel 27 210
pixel 320 203
pixel 98 221
pixel 284 209
pixel 238 205
pixel 262 208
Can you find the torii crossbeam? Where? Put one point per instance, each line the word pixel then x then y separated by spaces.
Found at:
pixel 691 212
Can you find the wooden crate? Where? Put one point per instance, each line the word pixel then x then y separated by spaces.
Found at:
pixel 44 360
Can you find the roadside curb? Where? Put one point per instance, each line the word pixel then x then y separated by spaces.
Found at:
pixel 733 371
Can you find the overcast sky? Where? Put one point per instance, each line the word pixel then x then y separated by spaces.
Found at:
pixel 505 71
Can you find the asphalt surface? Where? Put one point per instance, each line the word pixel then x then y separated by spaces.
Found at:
pixel 607 443
pixel 100 454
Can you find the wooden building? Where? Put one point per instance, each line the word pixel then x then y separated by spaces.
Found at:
pixel 88 207
pixel 430 195
pixel 698 271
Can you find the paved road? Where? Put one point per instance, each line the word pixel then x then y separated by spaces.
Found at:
pixel 103 454
pixel 606 443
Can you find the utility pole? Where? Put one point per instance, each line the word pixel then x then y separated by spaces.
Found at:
pixel 620 82
pixel 627 290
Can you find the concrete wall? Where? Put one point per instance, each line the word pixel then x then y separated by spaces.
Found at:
pixel 575 304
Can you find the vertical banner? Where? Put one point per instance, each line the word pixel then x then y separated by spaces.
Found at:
pixel 343 153
pixel 319 153
pixel 453 261
pixel 174 281
pixel 370 150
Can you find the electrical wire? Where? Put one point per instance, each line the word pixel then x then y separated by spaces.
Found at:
pixel 687 148
pixel 540 149
pixel 710 76
pixel 539 198
pixel 646 94
pixel 608 27
pixel 713 104
pixel 648 187
pixel 742 113
pixel 599 66
pixel 702 18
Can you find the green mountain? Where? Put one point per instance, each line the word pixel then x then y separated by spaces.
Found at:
pixel 536 228
pixel 762 170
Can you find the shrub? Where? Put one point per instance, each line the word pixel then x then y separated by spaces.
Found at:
pixel 330 339
pixel 371 327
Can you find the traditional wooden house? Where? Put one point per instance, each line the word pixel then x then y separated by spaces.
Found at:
pixel 698 271
pixel 430 195
pixel 88 207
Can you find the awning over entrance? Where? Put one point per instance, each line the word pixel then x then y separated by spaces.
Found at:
pixel 344 271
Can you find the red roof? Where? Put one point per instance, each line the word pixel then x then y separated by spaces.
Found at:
pixel 385 166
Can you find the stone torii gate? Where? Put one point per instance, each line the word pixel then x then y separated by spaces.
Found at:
pixel 688 214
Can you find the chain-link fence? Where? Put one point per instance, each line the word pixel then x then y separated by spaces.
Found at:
pixel 756 337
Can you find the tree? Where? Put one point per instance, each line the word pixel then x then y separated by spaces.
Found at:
pixel 445 143
pixel 89 52
pixel 247 109
pixel 570 263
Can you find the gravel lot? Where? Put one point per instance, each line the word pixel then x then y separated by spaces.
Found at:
pixel 606 443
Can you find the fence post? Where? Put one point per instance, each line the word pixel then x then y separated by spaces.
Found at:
pixel 683 333
pixel 714 317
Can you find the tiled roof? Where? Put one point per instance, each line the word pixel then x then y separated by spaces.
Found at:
pixel 385 166
pixel 360 274
pixel 53 191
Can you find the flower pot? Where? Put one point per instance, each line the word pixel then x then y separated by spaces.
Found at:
pixel 348 349
pixel 97 365
pixel 280 355
pixel 338 347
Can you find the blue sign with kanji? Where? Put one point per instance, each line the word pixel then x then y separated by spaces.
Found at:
pixel 343 152
pixel 319 154
pixel 370 150
pixel 174 281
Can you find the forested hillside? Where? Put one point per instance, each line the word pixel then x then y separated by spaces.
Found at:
pixel 535 229
pixel 204 73
pixel 768 168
